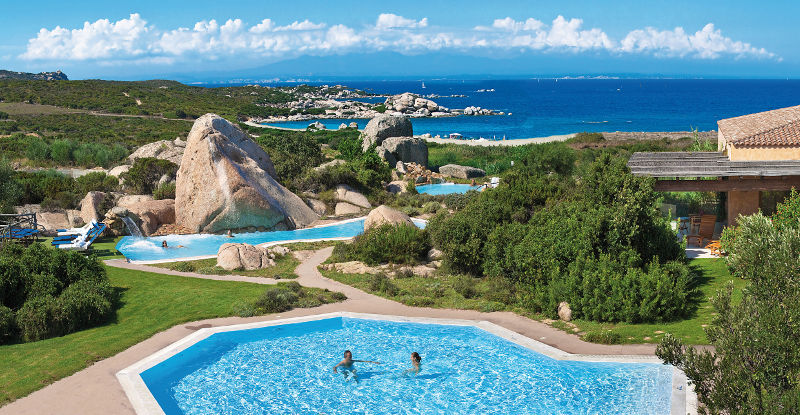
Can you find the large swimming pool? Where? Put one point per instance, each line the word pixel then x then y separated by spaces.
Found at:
pixel 287 368
pixel 205 245
pixel 445 188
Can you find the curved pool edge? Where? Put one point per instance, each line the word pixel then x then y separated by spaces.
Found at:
pixel 683 398
pixel 265 244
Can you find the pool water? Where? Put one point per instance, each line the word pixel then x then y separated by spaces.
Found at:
pixel 445 188
pixel 200 245
pixel 465 370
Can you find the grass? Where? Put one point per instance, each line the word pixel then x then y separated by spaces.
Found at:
pixel 440 292
pixel 283 269
pixel 150 303
pixel 21 108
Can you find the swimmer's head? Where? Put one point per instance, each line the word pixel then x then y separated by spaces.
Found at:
pixel 348 354
pixel 164 244
pixel 415 357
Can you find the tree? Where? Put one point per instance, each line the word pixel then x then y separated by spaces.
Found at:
pixel 755 365
pixel 10 190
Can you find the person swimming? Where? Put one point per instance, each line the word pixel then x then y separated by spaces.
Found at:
pixel 347 365
pixel 164 244
pixel 416 364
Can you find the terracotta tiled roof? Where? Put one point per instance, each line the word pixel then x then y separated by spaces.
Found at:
pixel 779 127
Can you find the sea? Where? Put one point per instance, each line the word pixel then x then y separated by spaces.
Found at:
pixel 545 107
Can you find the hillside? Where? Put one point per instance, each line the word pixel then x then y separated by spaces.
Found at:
pixel 41 76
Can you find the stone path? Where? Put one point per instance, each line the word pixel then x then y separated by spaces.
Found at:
pixel 95 390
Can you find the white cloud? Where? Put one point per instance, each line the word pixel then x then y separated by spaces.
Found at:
pixel 706 43
pixel 393 21
pixel 133 39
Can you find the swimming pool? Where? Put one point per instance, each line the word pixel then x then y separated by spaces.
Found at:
pixel 206 245
pixel 445 188
pixel 467 367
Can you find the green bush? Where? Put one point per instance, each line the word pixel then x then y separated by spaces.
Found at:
pixel 603 337
pixel 291 153
pixel 276 300
pixel 11 191
pixel 183 266
pixel 465 286
pixel 61 151
pixel 145 173
pixel 382 284
pixel 165 191
pixel 8 327
pixel 585 137
pixel 431 207
pixel 787 214
pixel 37 149
pixel 3 115
pixel 51 292
pixel 397 244
pixel 95 182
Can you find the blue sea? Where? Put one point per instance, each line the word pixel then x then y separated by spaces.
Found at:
pixel 543 107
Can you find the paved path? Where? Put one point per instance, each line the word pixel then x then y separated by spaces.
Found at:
pixel 95 390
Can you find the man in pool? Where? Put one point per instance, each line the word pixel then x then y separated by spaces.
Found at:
pixel 416 364
pixel 347 365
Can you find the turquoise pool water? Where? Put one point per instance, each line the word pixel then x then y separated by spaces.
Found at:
pixel 445 188
pixel 465 370
pixel 197 245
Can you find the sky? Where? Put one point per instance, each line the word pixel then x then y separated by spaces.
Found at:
pixel 205 40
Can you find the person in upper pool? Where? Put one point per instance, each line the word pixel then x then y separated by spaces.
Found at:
pixel 164 245
pixel 347 365
pixel 416 364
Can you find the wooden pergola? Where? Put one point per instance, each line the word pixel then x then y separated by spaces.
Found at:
pixel 714 172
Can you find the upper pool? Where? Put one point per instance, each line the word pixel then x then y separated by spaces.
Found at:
pixel 287 368
pixel 445 188
pixel 206 245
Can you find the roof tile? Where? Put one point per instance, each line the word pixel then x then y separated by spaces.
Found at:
pixel 779 127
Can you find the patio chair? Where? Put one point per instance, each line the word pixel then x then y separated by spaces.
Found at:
pixel 705 231
pixel 80 242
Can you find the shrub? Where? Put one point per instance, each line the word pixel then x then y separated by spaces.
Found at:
pixel 183 266
pixel 3 115
pixel 83 304
pixel 382 284
pixel 465 286
pixel 61 151
pixel 431 207
pixel 95 181
pixel 165 191
pixel 787 214
pixel 397 244
pixel 275 300
pixel 37 150
pixel 587 138
pixel 35 319
pixel 145 173
pixel 603 337
pixel 8 327
pixel 10 189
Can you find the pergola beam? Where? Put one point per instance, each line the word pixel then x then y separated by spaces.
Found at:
pixel 729 184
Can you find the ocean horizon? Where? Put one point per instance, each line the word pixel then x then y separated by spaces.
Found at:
pixel 555 106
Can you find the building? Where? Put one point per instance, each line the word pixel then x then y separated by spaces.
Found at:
pixel 757 162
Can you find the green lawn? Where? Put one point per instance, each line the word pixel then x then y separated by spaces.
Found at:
pixel 283 269
pixel 439 292
pixel 150 303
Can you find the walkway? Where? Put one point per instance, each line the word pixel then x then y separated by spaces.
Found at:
pixel 95 390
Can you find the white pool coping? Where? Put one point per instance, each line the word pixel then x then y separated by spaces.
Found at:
pixel 265 244
pixel 683 400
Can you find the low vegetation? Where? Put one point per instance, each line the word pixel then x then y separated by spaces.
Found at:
pixel 283 268
pixel 46 292
pixel 51 189
pixel 286 296
pixel 397 244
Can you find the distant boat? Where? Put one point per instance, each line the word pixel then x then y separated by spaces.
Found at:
pixel 423 85
pixel 456 136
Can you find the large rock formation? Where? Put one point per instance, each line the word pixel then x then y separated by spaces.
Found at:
pixel 384 126
pixel 151 213
pixel 405 149
pixel 226 181
pixel 233 256
pixel 383 214
pixel 346 193
pixel 461 172
pixel 408 103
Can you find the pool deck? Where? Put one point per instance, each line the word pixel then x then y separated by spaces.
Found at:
pixel 96 390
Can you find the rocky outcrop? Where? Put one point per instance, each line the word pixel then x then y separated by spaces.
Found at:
pixel 239 256
pixel 117 171
pixel 91 206
pixel 319 207
pixel 397 186
pixel 412 104
pixel 226 181
pixel 383 215
pixel 51 221
pixel 151 213
pixel 329 164
pixel 384 126
pixel 434 254
pixel 405 149
pixel 358 267
pixel 344 208
pixel 171 150
pixel 461 172
pixel 345 193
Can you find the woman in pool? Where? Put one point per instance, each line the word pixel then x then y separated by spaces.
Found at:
pixel 164 245
pixel 416 364
pixel 347 365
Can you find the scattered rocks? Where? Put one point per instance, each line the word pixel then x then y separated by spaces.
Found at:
pixel 358 267
pixel 564 312
pixel 384 126
pixel 412 104
pixel 240 256
pixel 383 214
pixel 117 171
pixel 434 254
pixel 353 125
pixel 227 181
pixel 342 126
pixel 331 163
pixel 461 172
pixel 317 126
pixel 397 186
pixel 344 208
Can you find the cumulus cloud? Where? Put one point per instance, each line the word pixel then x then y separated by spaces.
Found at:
pixel 706 43
pixel 134 39
pixel 393 21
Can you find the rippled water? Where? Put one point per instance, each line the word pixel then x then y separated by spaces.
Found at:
pixel 288 369
pixel 445 188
